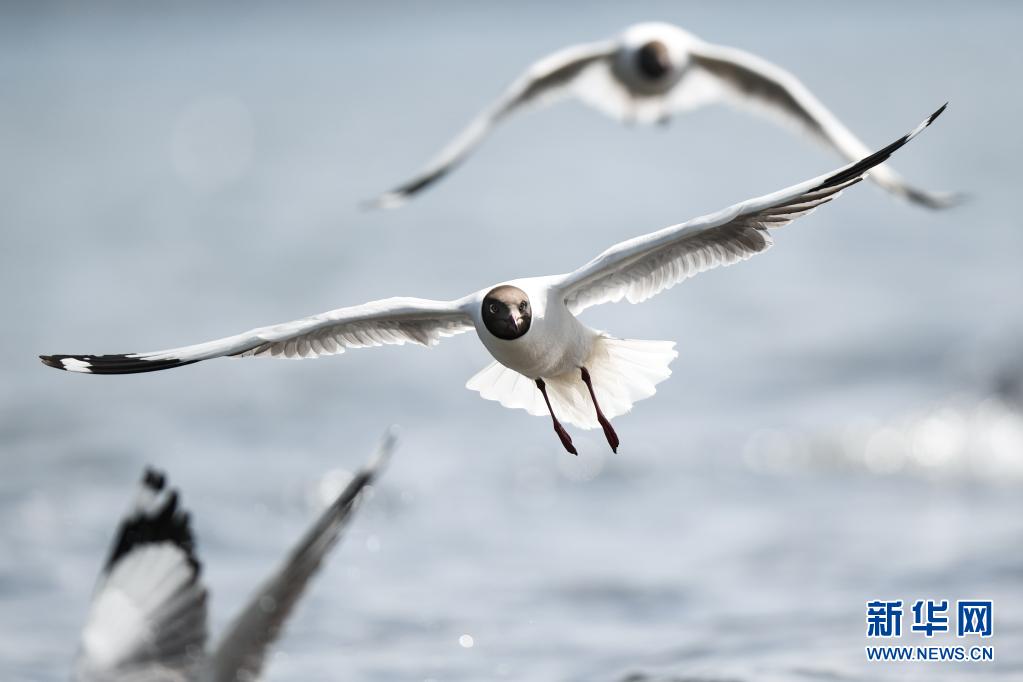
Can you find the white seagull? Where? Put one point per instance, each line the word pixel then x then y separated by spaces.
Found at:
pixel 148 622
pixel 547 361
pixel 647 74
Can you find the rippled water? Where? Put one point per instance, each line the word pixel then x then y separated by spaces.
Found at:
pixel 829 436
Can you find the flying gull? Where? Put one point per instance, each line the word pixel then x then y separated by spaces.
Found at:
pixel 546 360
pixel 148 622
pixel 647 74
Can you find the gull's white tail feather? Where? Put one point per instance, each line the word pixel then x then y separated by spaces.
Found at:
pixel 623 371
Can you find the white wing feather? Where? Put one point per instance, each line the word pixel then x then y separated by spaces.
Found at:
pixel 393 321
pixel 543 82
pixel 647 265
pixel 749 82
pixel 242 650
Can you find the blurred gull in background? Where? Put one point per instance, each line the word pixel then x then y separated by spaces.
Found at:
pixel 647 74
pixel 148 619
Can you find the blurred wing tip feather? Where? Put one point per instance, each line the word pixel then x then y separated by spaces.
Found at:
pixel 388 444
pixel 937 200
pixel 154 479
pixel 386 201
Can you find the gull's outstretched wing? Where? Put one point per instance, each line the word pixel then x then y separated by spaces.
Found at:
pixel 242 650
pixel 542 82
pixel 644 266
pixel 393 321
pixel 744 80
pixel 148 614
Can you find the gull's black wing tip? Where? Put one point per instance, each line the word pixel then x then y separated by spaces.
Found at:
pixel 52 361
pixel 110 364
pixel 400 195
pixel 859 168
pixel 937 201
pixel 161 520
pixel 916 131
pixel 154 479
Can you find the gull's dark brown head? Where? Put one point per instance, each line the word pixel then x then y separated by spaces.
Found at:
pixel 654 60
pixel 506 312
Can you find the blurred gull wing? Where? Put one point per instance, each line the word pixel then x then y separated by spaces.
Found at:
pixel 543 82
pixel 242 650
pixel 749 82
pixel 640 268
pixel 393 321
pixel 147 619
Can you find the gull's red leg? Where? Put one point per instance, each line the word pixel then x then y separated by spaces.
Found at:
pixel 609 432
pixel 566 439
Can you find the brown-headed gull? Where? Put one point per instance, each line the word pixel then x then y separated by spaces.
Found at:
pixel 546 360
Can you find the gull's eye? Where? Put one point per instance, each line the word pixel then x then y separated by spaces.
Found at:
pixel 523 306
pixel 493 308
